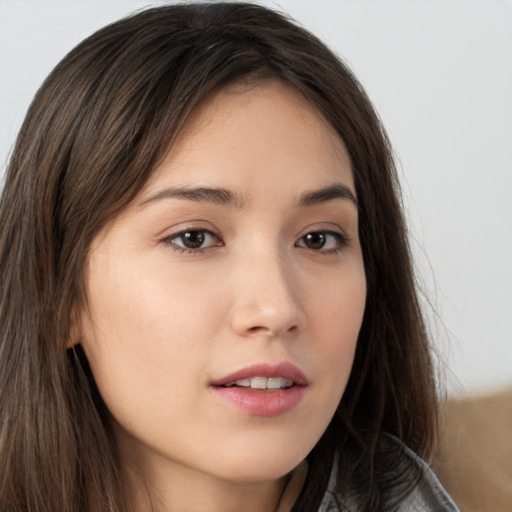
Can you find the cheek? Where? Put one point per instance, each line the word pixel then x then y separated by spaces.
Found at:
pixel 150 305
pixel 150 335
pixel 335 319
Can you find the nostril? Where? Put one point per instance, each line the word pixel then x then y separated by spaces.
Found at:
pixel 260 328
pixel 256 328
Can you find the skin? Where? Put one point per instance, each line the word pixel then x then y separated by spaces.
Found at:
pixel 164 322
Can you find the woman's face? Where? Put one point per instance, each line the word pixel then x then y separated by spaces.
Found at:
pixel 226 301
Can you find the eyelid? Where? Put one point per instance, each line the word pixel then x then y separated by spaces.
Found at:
pixel 187 225
pixel 323 227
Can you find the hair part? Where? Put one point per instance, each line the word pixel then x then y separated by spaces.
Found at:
pixel 95 132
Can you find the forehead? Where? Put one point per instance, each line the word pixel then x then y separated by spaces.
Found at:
pixel 244 136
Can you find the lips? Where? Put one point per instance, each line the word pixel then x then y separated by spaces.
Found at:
pixel 263 390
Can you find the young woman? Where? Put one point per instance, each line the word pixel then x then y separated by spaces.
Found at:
pixel 207 300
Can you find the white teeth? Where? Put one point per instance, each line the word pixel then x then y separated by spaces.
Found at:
pixel 275 383
pixel 262 383
pixel 258 383
pixel 244 382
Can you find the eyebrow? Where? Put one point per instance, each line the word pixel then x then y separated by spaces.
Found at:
pixel 226 197
pixel 220 196
pixel 323 195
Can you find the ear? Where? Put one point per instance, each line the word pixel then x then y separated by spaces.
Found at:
pixel 74 329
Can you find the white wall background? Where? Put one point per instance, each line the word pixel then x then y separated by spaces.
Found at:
pixel 440 73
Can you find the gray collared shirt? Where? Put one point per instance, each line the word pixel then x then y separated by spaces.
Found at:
pixel 427 496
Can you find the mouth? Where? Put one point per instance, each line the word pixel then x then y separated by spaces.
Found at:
pixel 264 376
pixel 263 390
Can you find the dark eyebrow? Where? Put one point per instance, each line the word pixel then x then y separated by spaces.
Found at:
pixel 337 191
pixel 221 196
pixel 224 196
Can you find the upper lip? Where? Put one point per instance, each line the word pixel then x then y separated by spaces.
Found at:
pixel 285 370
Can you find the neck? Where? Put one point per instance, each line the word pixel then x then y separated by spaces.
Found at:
pixel 187 490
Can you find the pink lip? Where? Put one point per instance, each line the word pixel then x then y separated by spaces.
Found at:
pixel 264 403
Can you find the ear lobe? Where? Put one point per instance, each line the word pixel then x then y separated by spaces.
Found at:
pixel 72 341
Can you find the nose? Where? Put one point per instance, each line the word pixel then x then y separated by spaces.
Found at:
pixel 266 299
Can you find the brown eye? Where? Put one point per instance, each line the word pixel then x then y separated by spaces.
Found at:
pixel 192 240
pixel 314 240
pixel 323 241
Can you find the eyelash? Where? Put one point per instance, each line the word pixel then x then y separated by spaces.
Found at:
pixel 342 241
pixel 169 240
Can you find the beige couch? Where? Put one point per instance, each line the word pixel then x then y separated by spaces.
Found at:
pixel 474 458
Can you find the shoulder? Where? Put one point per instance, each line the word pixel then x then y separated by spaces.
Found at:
pixel 409 486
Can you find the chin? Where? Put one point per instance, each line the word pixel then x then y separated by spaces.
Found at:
pixel 264 473
pixel 259 465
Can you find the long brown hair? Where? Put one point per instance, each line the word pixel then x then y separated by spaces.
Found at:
pixel 93 135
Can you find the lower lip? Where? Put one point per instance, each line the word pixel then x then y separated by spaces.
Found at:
pixel 268 404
